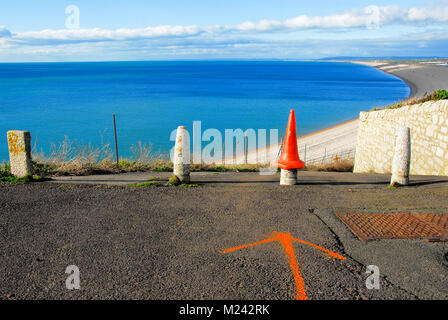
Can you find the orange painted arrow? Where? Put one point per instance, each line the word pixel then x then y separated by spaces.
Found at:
pixel 285 240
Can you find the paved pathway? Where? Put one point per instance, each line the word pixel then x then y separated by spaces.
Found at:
pixel 170 242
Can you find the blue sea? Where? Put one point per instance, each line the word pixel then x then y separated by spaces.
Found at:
pixel 150 99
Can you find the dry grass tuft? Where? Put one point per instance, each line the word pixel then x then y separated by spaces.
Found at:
pixel 71 158
pixel 227 168
pixel 334 166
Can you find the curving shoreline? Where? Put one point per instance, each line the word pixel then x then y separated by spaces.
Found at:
pixel 341 139
pixel 421 77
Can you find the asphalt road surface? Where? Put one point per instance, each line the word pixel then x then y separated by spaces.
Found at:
pixel 168 242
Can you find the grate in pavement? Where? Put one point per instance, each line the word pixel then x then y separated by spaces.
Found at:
pixel 371 226
pixel 440 220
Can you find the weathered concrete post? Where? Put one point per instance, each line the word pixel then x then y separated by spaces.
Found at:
pixel 181 159
pixel 288 177
pixel 19 144
pixel 402 158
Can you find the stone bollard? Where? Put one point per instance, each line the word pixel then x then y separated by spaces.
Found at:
pixel 181 160
pixel 288 177
pixel 402 158
pixel 19 144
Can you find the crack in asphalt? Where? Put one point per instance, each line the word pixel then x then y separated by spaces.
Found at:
pixel 168 225
pixel 341 247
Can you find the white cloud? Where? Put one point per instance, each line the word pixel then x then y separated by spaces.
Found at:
pixel 254 38
pixel 436 14
pixel 97 34
pixel 355 18
pixel 262 26
pixel 4 32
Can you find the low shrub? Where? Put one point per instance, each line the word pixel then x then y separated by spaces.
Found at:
pixel 440 94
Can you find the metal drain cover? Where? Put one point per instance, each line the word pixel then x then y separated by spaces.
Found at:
pixel 440 221
pixel 371 226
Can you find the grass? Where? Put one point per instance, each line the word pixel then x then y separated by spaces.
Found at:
pixel 5 169
pixel 7 177
pixel 157 184
pixel 440 94
pixel 70 158
pixel 394 185
pixel 189 185
pixel 227 168
pixel 84 168
pixel 334 166
pixel 162 168
pixel 145 184
pixel 174 181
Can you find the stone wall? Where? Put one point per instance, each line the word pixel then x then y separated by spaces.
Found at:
pixel 429 138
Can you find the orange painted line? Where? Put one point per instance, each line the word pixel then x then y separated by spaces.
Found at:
pixel 330 253
pixel 249 245
pixel 285 240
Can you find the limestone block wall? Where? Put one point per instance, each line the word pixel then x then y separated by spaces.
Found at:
pixel 429 138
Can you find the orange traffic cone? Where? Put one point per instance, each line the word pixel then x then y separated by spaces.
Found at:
pixel 289 159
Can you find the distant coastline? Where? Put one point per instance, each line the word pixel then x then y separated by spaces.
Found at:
pixel 420 75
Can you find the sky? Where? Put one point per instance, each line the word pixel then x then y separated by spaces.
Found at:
pixel 104 30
